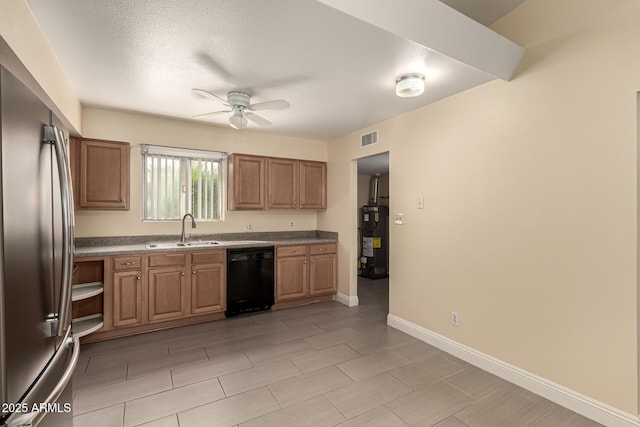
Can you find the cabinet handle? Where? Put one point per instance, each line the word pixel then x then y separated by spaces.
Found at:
pixel 127 263
pixel 291 252
pixel 193 272
pixel 237 202
pixel 138 277
pixel 313 261
pixel 295 203
pixel 323 249
pixel 182 274
pixel 305 261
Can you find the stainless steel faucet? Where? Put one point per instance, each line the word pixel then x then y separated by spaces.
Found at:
pixel 183 238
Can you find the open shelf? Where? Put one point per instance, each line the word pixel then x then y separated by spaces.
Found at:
pixel 86 290
pixel 87 294
pixel 85 325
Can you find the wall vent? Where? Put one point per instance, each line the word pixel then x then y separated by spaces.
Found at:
pixel 369 139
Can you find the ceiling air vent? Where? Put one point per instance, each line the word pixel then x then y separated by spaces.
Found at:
pixel 369 139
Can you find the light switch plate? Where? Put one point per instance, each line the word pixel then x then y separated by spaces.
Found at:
pixel 420 202
pixel 398 218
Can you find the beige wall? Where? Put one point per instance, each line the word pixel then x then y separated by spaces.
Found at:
pixel 140 129
pixel 27 54
pixel 529 230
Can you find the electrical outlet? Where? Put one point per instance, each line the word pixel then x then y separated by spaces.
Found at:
pixel 291 224
pixel 398 218
pixel 248 227
pixel 455 319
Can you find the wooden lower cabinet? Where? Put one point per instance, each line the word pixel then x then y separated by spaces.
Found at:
pixel 292 277
pixel 306 271
pixel 208 289
pixel 208 282
pixel 167 293
pixel 161 290
pixel 127 298
pixel 323 274
pixel 174 286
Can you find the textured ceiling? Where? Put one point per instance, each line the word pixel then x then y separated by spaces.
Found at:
pixel 337 71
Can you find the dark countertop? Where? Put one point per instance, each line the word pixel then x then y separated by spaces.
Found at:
pixel 87 247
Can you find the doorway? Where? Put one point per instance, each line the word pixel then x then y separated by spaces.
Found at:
pixel 373 207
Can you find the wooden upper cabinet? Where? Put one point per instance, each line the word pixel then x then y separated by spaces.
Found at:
pixel 246 182
pixel 283 183
pixel 313 185
pixel 100 174
pixel 256 183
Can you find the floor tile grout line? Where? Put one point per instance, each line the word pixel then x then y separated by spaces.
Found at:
pixel 164 391
pixel 395 413
pixel 475 399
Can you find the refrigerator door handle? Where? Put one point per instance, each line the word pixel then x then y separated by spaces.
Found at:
pixel 56 137
pixel 32 419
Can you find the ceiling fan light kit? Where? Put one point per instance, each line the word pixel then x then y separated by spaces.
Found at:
pixel 238 120
pixel 409 85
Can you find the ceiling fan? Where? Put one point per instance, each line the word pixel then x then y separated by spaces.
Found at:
pixel 239 104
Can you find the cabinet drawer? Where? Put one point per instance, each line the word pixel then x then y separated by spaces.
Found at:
pixel 161 260
pixel 285 251
pixel 320 249
pixel 127 263
pixel 209 257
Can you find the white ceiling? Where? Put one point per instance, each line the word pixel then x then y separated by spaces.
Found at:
pixel 337 68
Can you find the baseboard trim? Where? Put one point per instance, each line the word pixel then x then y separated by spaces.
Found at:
pixel 584 405
pixel 349 301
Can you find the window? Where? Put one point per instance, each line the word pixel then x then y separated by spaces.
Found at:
pixel 177 181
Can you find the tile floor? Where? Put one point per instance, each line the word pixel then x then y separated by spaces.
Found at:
pixel 322 364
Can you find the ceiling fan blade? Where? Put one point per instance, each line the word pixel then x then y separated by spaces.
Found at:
pixel 210 95
pixel 257 119
pixel 278 104
pixel 213 113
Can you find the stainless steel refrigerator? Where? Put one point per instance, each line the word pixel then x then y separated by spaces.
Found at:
pixel 38 352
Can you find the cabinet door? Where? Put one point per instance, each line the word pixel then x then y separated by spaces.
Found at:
pixel 167 293
pixel 313 185
pixel 246 183
pixel 282 177
pixel 292 278
pixel 323 274
pixel 103 175
pixel 208 286
pixel 127 298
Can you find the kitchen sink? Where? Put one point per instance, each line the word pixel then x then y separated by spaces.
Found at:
pixel 193 244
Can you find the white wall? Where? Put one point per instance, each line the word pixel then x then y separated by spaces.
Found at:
pixel 26 53
pixel 140 129
pixel 529 230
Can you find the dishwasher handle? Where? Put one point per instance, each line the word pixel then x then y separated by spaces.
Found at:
pixel 249 255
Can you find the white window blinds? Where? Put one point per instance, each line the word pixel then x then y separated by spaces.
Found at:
pixel 179 181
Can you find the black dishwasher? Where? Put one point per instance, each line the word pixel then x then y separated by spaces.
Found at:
pixel 249 280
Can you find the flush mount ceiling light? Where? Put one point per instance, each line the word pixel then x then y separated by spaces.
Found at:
pixel 409 85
